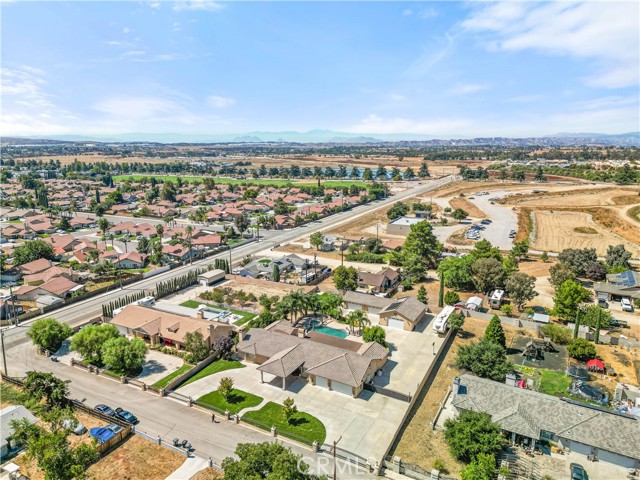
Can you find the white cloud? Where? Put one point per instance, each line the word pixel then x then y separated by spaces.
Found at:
pixel 154 5
pixel 25 84
pixel 199 5
pixel 604 32
pixel 432 55
pixel 117 43
pixel 131 53
pixel 217 101
pixel 427 13
pixel 466 88
pixel 126 30
pixel 132 109
pixel 525 98
pixel 397 97
pixel 375 124
pixel 407 12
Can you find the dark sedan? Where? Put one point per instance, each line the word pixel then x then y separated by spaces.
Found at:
pixel 126 416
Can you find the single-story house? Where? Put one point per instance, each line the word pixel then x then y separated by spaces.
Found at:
pixel 166 328
pixel 130 260
pixel 404 313
pixel 7 415
pixel 384 281
pixel 530 416
pixel 60 287
pixel 36 266
pixel 340 365
pixel 618 285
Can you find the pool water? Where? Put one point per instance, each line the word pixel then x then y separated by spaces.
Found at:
pixel 334 332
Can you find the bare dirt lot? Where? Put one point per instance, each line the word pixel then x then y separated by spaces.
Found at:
pixel 557 230
pixel 468 206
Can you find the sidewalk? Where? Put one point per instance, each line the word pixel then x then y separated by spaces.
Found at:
pixel 189 468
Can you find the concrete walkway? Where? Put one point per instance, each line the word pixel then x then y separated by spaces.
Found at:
pixel 189 468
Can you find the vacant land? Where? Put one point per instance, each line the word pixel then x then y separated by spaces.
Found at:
pixel 276 182
pixel 558 230
pixel 208 473
pixel 467 206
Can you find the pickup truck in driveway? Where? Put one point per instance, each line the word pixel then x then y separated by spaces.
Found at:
pixel 618 323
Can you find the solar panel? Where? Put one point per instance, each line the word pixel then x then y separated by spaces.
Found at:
pixel 394 305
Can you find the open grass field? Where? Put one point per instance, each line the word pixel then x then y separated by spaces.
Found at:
pixel 556 230
pixel 163 382
pixel 238 400
pixel 301 425
pixel 276 182
pixel 215 367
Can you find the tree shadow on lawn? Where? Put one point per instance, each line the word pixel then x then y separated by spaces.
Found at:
pixel 296 422
pixel 235 398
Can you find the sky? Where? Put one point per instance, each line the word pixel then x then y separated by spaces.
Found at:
pixel 440 69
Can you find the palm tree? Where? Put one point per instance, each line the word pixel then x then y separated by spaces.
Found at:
pixel 188 243
pixel 125 241
pixel 159 230
pixel 357 318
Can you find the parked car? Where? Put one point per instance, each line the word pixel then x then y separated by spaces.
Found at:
pixel 105 409
pixel 626 305
pixel 578 473
pixel 126 416
pixel 602 303
pixel 114 428
pixel 75 426
pixel 618 323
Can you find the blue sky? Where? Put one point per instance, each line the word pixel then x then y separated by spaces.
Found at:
pixel 443 69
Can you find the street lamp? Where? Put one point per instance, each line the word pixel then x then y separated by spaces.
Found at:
pixel 335 445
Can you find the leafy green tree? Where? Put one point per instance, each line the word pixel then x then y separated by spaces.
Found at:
pixel 520 250
pixel 484 359
pixel 440 290
pixel 596 271
pixel 241 222
pixel 89 342
pixel 591 315
pixel 422 294
pixel 581 349
pixel 560 273
pixel 557 333
pixel 472 434
pixel 39 385
pixel 568 297
pixel 484 249
pixel 521 288
pixel 509 265
pixel 48 333
pixel 456 272
pixel 289 409
pixel 64 224
pixel 494 332
pixel 103 225
pixel 32 250
pixel 316 239
pixel 143 245
pixel 459 214
pixel 375 334
pixel 578 258
pixel 225 387
pixel 488 274
pixel 451 298
pixel 266 460
pixel 345 278
pixel 223 346
pixel 276 272
pixel 507 308
pixel 399 209
pixel 618 256
pixel 483 467
pixel 424 170
pixel 456 320
pixel 421 250
pixel 196 346
pixel 124 355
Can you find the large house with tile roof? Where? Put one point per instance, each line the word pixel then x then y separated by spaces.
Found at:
pixel 333 363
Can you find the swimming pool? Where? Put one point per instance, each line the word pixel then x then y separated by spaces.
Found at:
pixel 334 332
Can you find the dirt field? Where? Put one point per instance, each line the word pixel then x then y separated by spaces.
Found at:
pixel 418 443
pixel 467 206
pixel 557 230
pixel 208 474
pixel 622 362
pixel 258 287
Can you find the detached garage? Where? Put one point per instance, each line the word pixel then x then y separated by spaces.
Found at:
pixel 367 303
pixel 404 314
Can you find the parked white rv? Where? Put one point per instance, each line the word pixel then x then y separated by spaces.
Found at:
pixel 495 299
pixel 441 322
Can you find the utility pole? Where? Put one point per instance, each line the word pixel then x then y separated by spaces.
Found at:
pixel 230 269
pixel 4 355
pixel 335 445
pixel 13 305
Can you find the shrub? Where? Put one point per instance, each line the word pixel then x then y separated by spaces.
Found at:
pixel 440 466
pixel 557 333
pixel 451 298
pixel 581 349
pixel 471 434
pixel 506 309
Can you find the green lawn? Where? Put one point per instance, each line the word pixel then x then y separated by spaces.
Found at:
pixel 237 401
pixel 303 425
pixel 554 383
pixel 10 395
pixel 246 316
pixel 163 382
pixel 215 367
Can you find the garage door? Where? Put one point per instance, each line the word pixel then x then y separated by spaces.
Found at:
pixel 396 323
pixel 614 458
pixel 342 388
pixel 203 283
pixel 322 382
pixel 579 447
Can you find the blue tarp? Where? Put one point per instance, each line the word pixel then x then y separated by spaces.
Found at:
pixel 102 434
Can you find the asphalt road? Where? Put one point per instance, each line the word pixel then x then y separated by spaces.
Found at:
pixel 80 312
pixel 163 417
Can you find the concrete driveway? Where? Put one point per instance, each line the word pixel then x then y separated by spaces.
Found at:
pixel 368 423
pixel 158 365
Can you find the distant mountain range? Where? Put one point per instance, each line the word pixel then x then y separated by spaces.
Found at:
pixel 333 137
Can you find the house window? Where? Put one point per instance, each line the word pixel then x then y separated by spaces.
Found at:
pixel 544 435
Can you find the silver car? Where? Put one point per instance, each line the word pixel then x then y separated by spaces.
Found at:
pixel 75 426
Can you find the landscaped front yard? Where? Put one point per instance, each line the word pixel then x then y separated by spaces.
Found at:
pixel 215 367
pixel 238 400
pixel 163 382
pixel 301 427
